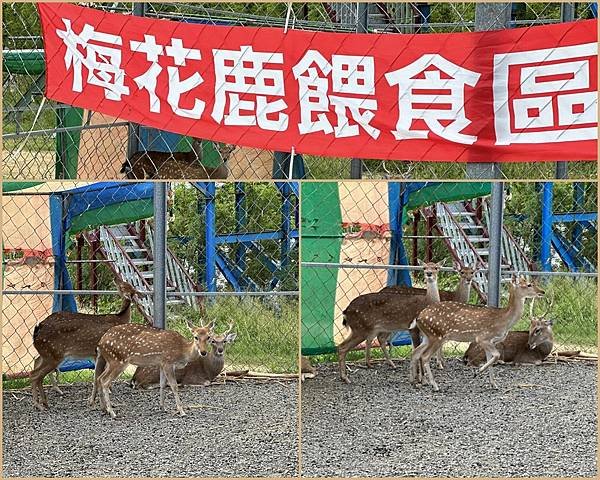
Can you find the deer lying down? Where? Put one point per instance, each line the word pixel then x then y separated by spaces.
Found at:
pixel 520 348
pixel 379 314
pixel 73 335
pixel 201 371
pixel 460 322
pixel 145 346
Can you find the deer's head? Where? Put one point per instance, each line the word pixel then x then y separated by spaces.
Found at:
pixel 225 150
pixel 522 288
pixel 466 273
pixel 430 270
pixel 126 290
pixel 540 332
pixel 218 341
pixel 202 336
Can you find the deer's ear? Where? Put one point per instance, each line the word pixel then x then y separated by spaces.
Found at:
pixel 230 337
pixel 420 262
pixel 549 322
pixel 441 264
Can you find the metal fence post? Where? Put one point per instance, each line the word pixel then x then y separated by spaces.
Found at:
pixel 489 16
pixel 567 14
pixel 133 129
pixel 362 22
pixel 160 253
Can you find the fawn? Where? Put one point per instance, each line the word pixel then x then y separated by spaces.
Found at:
pixel 461 294
pixel 469 323
pixel 520 348
pixel 201 371
pixel 144 346
pixel 176 165
pixel 73 335
pixel 379 314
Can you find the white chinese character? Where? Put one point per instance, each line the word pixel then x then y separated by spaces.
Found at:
pixel 177 87
pixel 244 72
pixel 551 103
pixel 103 63
pixel 354 75
pixel 433 107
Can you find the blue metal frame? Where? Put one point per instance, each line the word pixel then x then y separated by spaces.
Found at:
pixel 569 250
pixel 235 271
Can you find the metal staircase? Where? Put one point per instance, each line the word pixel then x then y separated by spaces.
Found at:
pixel 466 235
pixel 129 251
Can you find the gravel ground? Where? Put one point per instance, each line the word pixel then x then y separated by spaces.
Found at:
pixel 243 428
pixel 380 425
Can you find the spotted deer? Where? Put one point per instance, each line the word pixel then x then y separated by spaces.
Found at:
pixel 521 347
pixel 379 314
pixel 461 294
pixel 461 322
pixel 146 346
pixel 72 335
pixel 176 165
pixel 201 371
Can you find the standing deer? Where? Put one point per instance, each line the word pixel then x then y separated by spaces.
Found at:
pixel 176 165
pixel 379 314
pixel 461 294
pixel 201 371
pixel 469 323
pixel 520 348
pixel 145 346
pixel 73 335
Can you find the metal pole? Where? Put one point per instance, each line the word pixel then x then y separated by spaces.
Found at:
pixel 492 16
pixel 489 16
pixel 356 166
pixel 495 252
pixel 546 240
pixel 133 129
pixel 567 14
pixel 160 253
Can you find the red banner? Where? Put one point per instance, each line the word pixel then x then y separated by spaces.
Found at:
pixel 525 94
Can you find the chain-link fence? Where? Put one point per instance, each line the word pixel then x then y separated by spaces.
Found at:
pixel 231 257
pixel 359 237
pixel 46 140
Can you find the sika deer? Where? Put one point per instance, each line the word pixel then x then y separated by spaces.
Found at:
pixel 73 335
pixel 379 314
pixel 306 369
pixel 201 371
pixel 176 165
pixel 520 348
pixel 468 323
pixel 144 346
pixel 461 294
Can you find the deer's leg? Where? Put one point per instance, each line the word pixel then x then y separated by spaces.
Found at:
pixel 112 371
pixel 54 380
pixel 415 336
pixel 431 347
pixel 343 349
pixel 170 374
pixel 385 348
pixel 492 355
pixel 368 342
pixel 439 358
pixel 45 366
pixel 98 370
pixel 415 362
pixel 162 382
